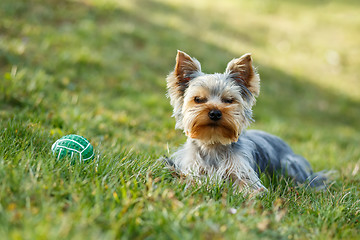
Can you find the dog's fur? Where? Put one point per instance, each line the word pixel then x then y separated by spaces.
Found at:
pixel 213 110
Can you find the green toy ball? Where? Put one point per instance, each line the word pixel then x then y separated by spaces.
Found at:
pixel 74 147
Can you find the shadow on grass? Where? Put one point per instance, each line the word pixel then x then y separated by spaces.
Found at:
pixel 301 101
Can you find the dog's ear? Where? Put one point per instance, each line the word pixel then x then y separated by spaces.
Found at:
pixel 186 68
pixel 244 74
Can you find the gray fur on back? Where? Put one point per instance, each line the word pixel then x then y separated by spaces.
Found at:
pixel 271 154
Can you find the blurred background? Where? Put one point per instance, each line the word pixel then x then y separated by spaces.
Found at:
pixel 97 68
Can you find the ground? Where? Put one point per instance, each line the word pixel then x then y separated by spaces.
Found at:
pixel 97 68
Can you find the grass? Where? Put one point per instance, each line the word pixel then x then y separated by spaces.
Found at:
pixel 97 68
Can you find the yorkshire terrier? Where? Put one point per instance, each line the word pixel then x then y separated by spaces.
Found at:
pixel 213 110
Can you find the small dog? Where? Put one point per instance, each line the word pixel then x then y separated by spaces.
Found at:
pixel 213 110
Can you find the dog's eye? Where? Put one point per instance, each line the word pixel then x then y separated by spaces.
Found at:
pixel 199 100
pixel 227 100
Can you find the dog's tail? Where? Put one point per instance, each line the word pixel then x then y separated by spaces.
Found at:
pixel 298 168
pixel 320 180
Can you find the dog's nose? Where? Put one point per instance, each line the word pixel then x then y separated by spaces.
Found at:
pixel 215 114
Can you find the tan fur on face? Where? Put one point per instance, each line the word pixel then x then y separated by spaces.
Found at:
pixel 201 127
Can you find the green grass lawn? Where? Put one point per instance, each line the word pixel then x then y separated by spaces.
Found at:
pixel 97 68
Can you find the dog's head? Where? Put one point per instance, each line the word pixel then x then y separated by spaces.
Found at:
pixel 213 108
